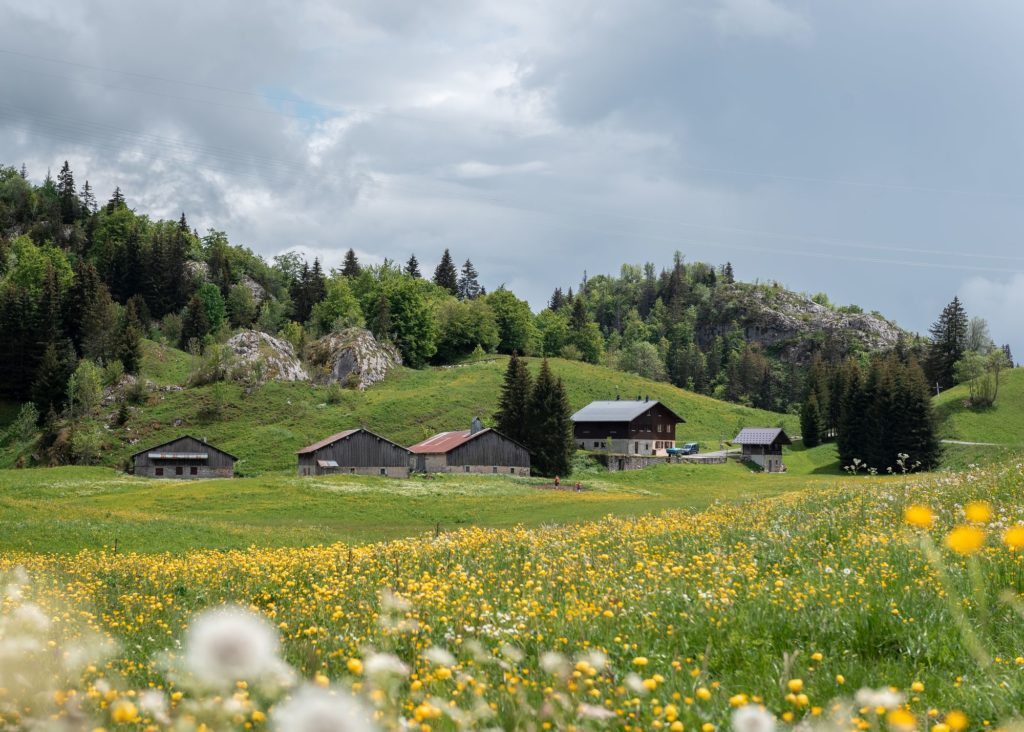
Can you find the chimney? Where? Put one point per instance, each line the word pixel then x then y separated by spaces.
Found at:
pixel 475 426
pixel 647 398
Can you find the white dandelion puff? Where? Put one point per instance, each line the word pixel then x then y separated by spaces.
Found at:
pixel 752 718
pixel 314 709
pixel 228 644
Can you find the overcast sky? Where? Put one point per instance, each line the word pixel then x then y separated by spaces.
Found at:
pixel 873 150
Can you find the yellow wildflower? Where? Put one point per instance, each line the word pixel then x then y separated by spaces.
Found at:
pixel 919 516
pixel 978 512
pixel 1014 537
pixel 956 720
pixel 965 539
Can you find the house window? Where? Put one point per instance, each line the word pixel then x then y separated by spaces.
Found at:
pixel 178 470
pixel 466 469
pixel 159 471
pixel 494 469
pixel 383 471
pixel 512 470
pixel 596 443
pixel 659 427
pixel 636 448
pixel 193 470
pixel 352 471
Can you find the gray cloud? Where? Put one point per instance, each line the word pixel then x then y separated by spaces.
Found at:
pixel 870 150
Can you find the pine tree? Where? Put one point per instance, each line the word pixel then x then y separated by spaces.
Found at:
pixel 412 267
pixel 551 444
pixel 351 267
pixel 195 324
pixel 810 421
pixel 579 318
pixel 445 275
pixel 116 200
pixel 23 172
pixel 66 193
pixel 948 343
pixel 129 346
pixel 88 199
pixel 317 285
pixel 727 276
pixel 512 418
pixel 1009 354
pixel 49 390
pixel 557 301
pixel 468 286
pixel 301 306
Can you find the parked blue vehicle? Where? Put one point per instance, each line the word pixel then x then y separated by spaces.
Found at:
pixel 690 448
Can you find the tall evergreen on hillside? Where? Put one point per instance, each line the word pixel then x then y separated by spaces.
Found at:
pixel 810 421
pixel 551 445
pixel 49 390
pixel 468 285
pixel 557 301
pixel 948 343
pixel 1009 354
pixel 513 417
pixel 351 266
pixel 412 267
pixel 446 275
pixel 69 202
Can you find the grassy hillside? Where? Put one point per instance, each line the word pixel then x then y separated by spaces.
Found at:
pixel 1002 423
pixel 265 427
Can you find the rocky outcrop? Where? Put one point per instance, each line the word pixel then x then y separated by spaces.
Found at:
pixel 793 325
pixel 351 357
pixel 263 358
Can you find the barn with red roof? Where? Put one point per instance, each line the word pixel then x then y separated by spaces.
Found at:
pixel 476 450
pixel 355 452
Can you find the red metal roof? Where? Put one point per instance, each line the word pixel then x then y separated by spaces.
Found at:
pixel 325 442
pixel 445 442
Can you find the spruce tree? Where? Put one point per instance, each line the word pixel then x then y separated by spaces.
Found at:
pixel 512 418
pixel 579 318
pixel 116 200
pixel 88 199
pixel 351 267
pixel 810 421
pixel 551 444
pixel 49 390
pixel 129 345
pixel 727 276
pixel 317 284
pixel 66 192
pixel 468 285
pixel 948 343
pixel 195 323
pixel 557 301
pixel 445 275
pixel 1009 355
pixel 412 267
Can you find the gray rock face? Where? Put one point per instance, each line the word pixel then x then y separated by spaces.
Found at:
pixel 266 358
pixel 352 357
pixel 788 322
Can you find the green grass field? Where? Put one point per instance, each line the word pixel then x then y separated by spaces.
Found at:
pixel 67 509
pixel 1003 423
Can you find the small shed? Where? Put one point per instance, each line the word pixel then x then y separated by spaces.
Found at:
pixel 185 458
pixel 354 452
pixel 476 450
pixel 763 445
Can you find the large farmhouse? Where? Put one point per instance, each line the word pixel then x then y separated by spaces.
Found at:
pixel 184 458
pixel 476 450
pixel 626 427
pixel 763 445
pixel 356 452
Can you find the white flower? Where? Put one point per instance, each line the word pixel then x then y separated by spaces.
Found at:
pixel 228 644
pixel 592 711
pixel 155 703
pixel 874 698
pixel 439 656
pixel 636 684
pixel 30 618
pixel 314 709
pixel 383 664
pixel 554 663
pixel 752 718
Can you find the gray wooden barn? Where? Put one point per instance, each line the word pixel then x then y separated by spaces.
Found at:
pixel 476 450
pixel 354 452
pixel 184 458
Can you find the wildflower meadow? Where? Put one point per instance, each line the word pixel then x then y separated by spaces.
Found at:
pixel 879 603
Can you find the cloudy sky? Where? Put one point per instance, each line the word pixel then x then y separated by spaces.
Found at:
pixel 873 150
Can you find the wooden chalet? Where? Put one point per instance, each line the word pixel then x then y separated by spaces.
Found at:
pixel 626 427
pixel 184 458
pixel 354 452
pixel 763 445
pixel 476 450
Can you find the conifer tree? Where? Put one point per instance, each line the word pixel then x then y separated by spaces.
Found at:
pixel 66 192
pixel 1008 354
pixel 948 343
pixel 445 275
pixel 551 443
pixel 412 267
pixel 116 200
pixel 351 266
pixel 88 199
pixel 49 390
pixel 129 346
pixel 557 301
pixel 810 421
pixel 513 418
pixel 579 318
pixel 468 286
pixel 727 276
pixel 317 285
pixel 195 323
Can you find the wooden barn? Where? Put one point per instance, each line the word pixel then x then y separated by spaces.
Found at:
pixel 626 427
pixel 763 445
pixel 184 458
pixel 476 450
pixel 355 452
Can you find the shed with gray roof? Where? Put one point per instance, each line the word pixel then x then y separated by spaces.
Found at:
pixel 763 446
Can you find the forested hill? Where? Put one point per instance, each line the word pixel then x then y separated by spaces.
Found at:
pixel 86 279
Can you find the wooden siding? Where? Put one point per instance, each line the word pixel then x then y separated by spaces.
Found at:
pixel 490 449
pixel 217 464
pixel 360 450
pixel 644 427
